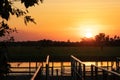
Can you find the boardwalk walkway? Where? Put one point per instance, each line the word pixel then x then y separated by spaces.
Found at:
pixel 78 70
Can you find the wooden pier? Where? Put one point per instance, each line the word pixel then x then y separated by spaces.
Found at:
pixel 76 70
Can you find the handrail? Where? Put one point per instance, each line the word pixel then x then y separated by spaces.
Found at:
pixel 47 67
pixel 38 69
pixel 79 71
pixel 106 70
pixel 47 59
pixel 77 59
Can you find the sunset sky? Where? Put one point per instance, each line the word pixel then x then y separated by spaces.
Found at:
pixel 69 19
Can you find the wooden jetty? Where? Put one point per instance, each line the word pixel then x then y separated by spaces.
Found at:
pixel 78 70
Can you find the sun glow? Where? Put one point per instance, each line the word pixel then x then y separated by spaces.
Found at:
pixel 89 28
pixel 88 35
pixel 89 32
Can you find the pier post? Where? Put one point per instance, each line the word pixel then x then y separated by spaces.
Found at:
pixel 62 69
pixel 96 73
pixel 47 71
pixel 36 65
pixel 104 74
pixel 92 72
pixel 29 68
pixel 75 69
pixel 107 65
pixel 57 74
pixel 52 68
pixel 72 68
pixel 47 68
pixel 117 65
pixel 80 70
pixel 84 76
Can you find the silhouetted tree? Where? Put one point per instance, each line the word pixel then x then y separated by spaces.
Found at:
pixel 107 40
pixel 116 40
pixel 7 8
pixel 100 39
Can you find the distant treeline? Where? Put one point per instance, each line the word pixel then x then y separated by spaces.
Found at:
pixel 47 43
pixel 100 40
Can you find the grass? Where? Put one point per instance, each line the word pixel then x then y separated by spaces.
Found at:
pixel 63 52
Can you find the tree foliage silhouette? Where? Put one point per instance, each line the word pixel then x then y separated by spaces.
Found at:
pixel 8 9
pixel 100 38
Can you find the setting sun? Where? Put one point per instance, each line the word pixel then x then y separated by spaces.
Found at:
pixel 88 28
pixel 88 35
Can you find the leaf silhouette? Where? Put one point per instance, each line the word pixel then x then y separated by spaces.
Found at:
pixel 28 19
pixel 29 3
pixel 5 29
pixel 5 9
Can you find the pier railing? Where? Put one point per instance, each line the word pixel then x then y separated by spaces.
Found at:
pixel 118 64
pixel 47 67
pixel 79 72
pixel 77 69
pixel 99 73
pixel 27 68
pixel 37 74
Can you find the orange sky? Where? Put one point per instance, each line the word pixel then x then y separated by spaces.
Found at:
pixel 69 19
